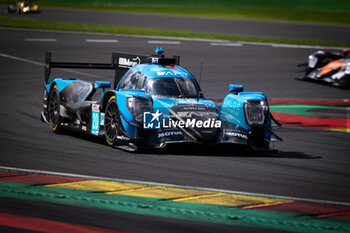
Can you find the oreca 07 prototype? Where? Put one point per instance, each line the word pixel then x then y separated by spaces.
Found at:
pixel 153 102
pixel 327 67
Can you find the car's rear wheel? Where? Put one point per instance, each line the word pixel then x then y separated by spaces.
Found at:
pixel 54 109
pixel 111 122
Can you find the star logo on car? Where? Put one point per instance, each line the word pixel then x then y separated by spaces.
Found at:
pixel 156 115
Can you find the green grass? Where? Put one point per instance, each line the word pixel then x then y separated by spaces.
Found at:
pixel 321 5
pixel 48 25
pixel 281 15
pixel 304 11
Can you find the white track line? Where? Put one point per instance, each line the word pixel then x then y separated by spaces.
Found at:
pixel 163 42
pixel 101 41
pixel 176 38
pixel 302 46
pixel 119 35
pixel 41 39
pixel 22 59
pixel 277 45
pixel 226 44
pixel 42 64
pixel 176 186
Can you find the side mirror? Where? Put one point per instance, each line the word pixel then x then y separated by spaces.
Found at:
pixel 236 88
pixel 102 84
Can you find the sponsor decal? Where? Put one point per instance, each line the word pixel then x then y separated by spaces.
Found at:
pixel 95 107
pixel 170 133
pixel 102 119
pixel 155 59
pixel 192 123
pixel 187 101
pixel 95 121
pixel 127 62
pixel 156 68
pixel 235 134
pixel 338 75
pixel 157 120
pixel 180 73
pixel 122 137
pixel 166 73
pixel 151 120
pixel 232 107
pixel 172 73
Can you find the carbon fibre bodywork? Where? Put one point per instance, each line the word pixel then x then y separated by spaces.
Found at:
pixel 155 102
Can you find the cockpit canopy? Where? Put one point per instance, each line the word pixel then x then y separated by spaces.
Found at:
pixel 168 86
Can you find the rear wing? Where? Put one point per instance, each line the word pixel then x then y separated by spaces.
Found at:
pixel 121 63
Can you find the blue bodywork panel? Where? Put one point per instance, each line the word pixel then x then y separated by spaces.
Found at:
pixel 61 83
pixel 232 107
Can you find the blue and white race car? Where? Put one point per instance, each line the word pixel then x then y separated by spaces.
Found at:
pixel 154 102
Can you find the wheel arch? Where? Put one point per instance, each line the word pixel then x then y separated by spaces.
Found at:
pixel 48 91
pixel 105 99
pixel 55 128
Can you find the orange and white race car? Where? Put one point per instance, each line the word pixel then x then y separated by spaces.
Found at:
pixel 23 7
pixel 327 67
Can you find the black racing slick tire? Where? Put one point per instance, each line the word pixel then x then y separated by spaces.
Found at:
pixel 111 122
pixel 54 109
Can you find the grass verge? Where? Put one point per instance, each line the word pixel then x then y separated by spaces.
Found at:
pixel 265 14
pixel 80 27
pixel 324 5
pixel 305 11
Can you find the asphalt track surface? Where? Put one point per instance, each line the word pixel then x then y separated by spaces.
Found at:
pixel 311 163
pixel 223 26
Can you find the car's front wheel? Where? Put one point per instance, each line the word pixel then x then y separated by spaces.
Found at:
pixel 111 122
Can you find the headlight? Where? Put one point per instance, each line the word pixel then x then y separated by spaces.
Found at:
pixel 255 112
pixel 347 68
pixel 137 106
pixel 312 61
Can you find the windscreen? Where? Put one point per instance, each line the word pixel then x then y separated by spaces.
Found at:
pixel 171 86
